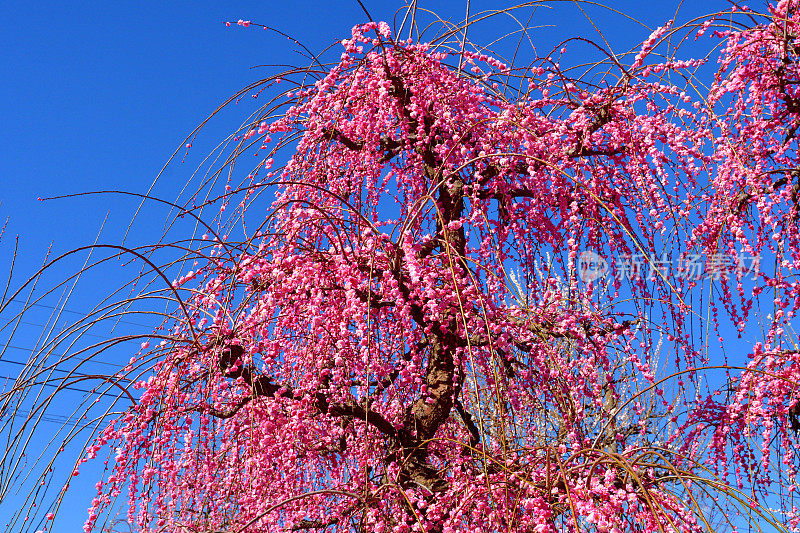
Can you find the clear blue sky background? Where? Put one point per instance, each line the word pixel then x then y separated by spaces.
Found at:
pixel 98 96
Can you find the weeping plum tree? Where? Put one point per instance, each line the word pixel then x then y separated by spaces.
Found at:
pixel 425 331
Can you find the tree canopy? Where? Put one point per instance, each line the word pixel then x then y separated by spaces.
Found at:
pixel 424 331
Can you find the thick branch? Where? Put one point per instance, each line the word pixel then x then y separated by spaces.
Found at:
pixel 262 386
pixel 475 437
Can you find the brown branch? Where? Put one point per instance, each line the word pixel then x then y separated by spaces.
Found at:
pixel 390 147
pixel 743 197
pixel 263 386
pixel 336 135
pixel 466 416
pixel 591 152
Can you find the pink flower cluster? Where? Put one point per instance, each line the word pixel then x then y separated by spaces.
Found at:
pixel 367 362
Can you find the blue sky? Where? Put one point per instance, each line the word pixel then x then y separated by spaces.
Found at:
pixel 97 96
